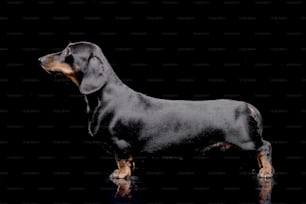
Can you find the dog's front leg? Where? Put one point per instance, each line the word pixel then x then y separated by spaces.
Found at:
pixel 124 168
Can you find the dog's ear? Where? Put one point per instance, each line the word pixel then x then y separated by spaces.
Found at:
pixel 93 76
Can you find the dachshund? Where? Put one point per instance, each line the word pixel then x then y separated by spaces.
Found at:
pixel 132 123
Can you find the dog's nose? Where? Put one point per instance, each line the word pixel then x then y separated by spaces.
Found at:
pixel 41 59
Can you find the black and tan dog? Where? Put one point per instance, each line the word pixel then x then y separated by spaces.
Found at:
pixel 132 123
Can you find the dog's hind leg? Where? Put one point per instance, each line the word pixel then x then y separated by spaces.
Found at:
pixel 263 147
pixel 264 157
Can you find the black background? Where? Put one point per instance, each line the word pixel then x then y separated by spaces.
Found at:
pixel 197 50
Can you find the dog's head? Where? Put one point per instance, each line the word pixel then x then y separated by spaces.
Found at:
pixel 82 62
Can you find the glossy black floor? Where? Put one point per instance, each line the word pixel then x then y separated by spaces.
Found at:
pixel 74 177
pixel 153 186
pixel 61 164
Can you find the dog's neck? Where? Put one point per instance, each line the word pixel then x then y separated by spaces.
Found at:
pixel 99 100
pixel 112 77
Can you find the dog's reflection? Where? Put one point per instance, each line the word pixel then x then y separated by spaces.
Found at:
pixel 265 187
pixel 124 188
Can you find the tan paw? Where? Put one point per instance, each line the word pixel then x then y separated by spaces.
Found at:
pixel 121 173
pixel 265 173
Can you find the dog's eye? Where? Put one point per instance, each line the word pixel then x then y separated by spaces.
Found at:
pixel 68 56
pixel 69 59
pixel 68 51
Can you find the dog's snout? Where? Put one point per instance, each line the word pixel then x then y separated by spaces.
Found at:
pixel 43 59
